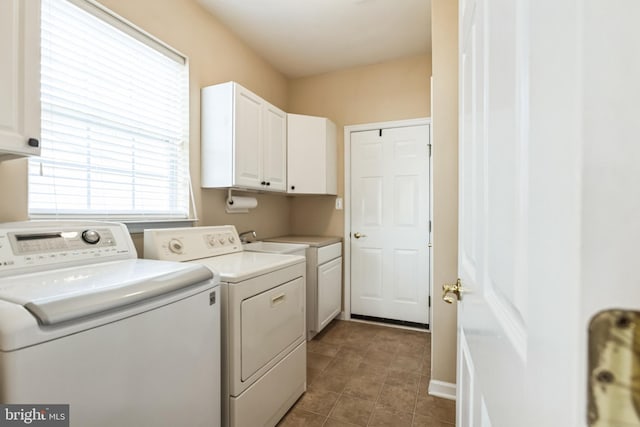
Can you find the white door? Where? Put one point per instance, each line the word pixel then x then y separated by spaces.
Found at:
pixel 274 146
pixel 20 76
pixel 390 223
pixel 548 203
pixel 248 139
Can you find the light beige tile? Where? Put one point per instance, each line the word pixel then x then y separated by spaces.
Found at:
pixel 384 345
pixel 385 418
pixel 342 366
pixel 436 408
pixel 330 382
pixel 364 387
pixel 326 349
pixel 299 418
pixel 352 352
pixel 336 423
pixel 317 401
pixel 352 410
pixel 407 363
pixel 318 361
pixel 358 340
pixel 403 378
pixel 361 374
pixel 397 398
pixel 312 374
pixel 379 357
pixel 422 421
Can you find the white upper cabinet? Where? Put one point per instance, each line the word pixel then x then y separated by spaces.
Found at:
pixel 19 78
pixel 243 140
pixel 312 155
pixel 275 148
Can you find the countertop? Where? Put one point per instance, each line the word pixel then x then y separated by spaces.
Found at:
pixel 313 241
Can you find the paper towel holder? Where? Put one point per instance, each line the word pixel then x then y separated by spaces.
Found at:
pixel 243 207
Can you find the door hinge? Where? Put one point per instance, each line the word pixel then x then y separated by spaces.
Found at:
pixel 429 150
pixel 429 226
pixel 212 298
pixel 429 300
pixel 380 132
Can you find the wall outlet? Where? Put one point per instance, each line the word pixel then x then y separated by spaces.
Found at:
pixel 339 203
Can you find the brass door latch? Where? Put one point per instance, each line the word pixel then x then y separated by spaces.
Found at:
pixel 455 288
pixel 614 369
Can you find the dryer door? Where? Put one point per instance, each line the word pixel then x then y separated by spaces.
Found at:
pixel 271 322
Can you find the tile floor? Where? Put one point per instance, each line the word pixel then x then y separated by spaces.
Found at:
pixel 359 374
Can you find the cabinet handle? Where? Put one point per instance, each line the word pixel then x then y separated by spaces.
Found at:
pixel 33 142
pixel 268 183
pixel 263 183
pixel 293 187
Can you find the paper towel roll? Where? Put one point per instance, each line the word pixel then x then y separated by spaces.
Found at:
pixel 237 204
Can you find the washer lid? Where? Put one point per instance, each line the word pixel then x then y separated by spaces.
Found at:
pixel 57 296
pixel 241 266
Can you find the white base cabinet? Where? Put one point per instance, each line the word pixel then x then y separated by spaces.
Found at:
pixel 243 140
pixel 19 78
pixel 311 155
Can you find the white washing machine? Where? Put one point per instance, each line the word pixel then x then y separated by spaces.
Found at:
pixel 263 320
pixel 123 341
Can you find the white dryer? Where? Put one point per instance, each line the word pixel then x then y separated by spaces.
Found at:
pixel 123 341
pixel 263 320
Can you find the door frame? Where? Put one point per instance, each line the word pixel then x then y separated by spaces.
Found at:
pixel 348 130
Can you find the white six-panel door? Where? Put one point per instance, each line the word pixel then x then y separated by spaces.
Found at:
pixel 548 208
pixel 492 335
pixel 390 223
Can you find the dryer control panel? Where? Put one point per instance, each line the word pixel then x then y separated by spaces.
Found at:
pixel 53 244
pixel 191 243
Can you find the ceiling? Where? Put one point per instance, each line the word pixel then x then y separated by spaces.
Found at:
pixel 307 37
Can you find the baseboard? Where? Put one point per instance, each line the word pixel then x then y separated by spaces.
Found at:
pixel 442 389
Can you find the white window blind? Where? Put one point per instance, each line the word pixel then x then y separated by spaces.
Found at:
pixel 114 120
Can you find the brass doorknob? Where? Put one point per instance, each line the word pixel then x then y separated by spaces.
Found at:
pixel 359 235
pixel 455 288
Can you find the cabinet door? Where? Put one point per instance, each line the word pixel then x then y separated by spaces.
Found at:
pixel 329 291
pixel 311 155
pixel 19 77
pixel 305 147
pixel 275 148
pixel 248 130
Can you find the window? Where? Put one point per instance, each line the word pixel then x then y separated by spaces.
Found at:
pixel 114 120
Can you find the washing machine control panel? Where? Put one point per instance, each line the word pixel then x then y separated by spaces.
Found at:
pixel 190 243
pixel 47 243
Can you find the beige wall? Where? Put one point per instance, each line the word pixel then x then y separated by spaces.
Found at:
pixel 445 184
pixel 393 90
pixel 215 55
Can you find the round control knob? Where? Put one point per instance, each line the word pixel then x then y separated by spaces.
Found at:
pixel 232 239
pixel 91 236
pixel 175 246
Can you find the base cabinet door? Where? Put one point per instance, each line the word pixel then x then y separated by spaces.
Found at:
pixel 329 291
